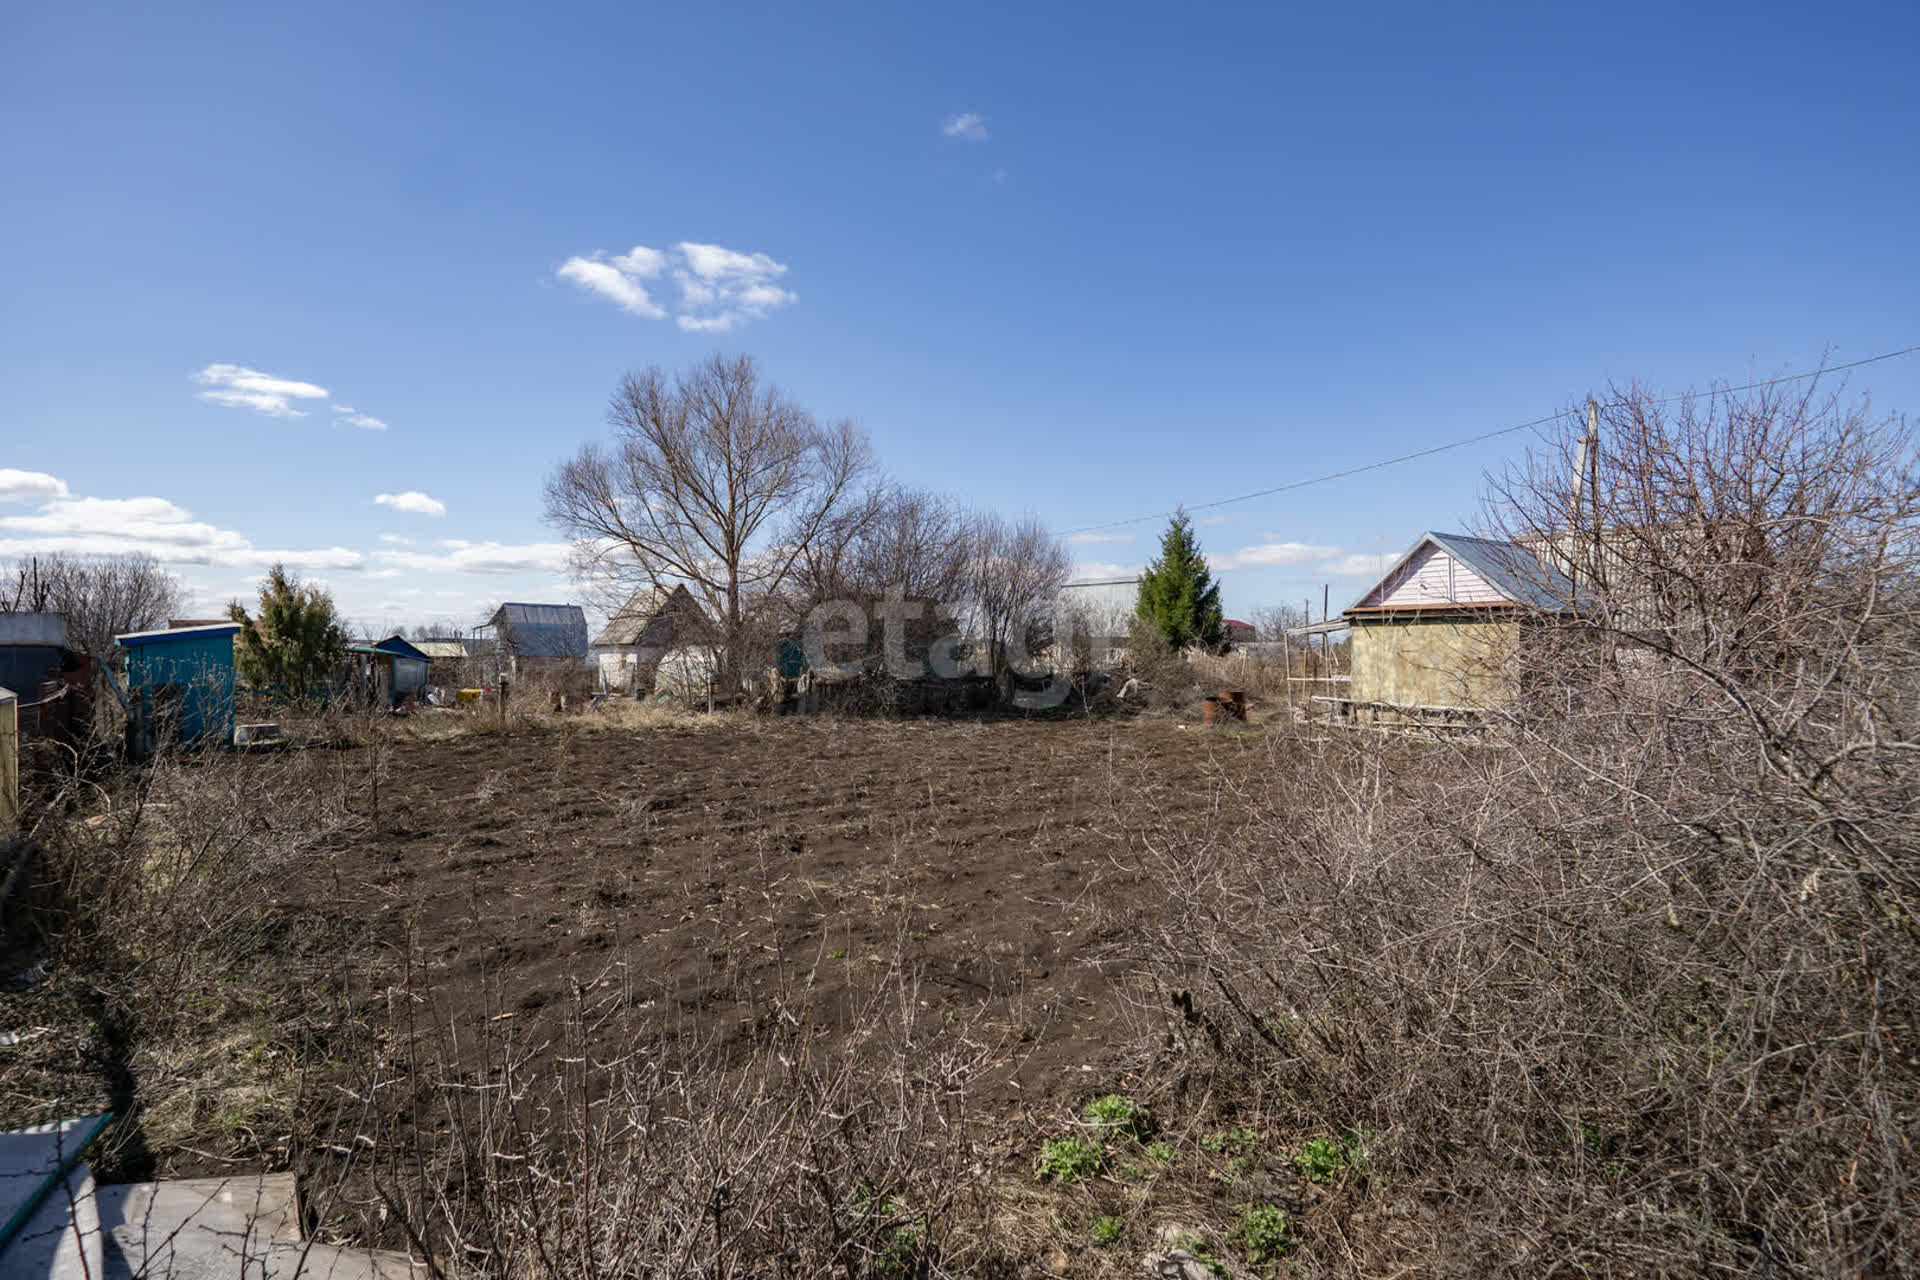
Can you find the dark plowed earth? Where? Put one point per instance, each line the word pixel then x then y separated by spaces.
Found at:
pixel 728 874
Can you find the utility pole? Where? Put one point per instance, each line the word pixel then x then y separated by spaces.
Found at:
pixel 1586 481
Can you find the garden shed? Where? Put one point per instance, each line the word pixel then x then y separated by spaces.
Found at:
pixel 1443 629
pixel 534 637
pixel 31 645
pixel 390 671
pixel 180 680
pixel 652 622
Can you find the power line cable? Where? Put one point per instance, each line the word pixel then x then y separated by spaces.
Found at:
pixel 1485 435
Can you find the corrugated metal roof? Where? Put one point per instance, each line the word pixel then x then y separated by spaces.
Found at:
pixel 439 649
pixel 177 633
pixel 46 630
pixel 1509 568
pixel 542 630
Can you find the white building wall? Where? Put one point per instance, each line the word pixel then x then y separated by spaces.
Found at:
pixel 620 667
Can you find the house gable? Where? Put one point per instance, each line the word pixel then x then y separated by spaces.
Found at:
pixel 1429 578
pixel 1456 571
pixel 653 618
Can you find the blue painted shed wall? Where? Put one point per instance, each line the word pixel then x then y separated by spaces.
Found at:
pixel 202 665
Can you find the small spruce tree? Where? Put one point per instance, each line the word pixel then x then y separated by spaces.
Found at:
pixel 1179 600
pixel 297 641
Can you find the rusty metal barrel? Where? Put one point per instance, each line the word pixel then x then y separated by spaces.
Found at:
pixel 1228 704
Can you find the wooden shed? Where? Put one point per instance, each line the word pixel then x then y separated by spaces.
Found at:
pixel 180 680
pixel 1443 630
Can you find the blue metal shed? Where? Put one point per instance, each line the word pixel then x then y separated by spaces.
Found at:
pixel 182 679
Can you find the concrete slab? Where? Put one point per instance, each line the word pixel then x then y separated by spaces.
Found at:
pixel 193 1231
pixel 271 1200
pixel 64 1227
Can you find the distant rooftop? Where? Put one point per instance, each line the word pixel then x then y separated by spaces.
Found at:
pixel 542 630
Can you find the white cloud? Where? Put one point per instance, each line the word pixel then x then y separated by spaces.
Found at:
pixel 30 486
pixel 1267 553
pixel 239 387
pixel 1099 537
pixel 611 281
pixel 399 540
pixel 1359 564
pixel 713 262
pixel 719 287
pixel 968 125
pixel 320 558
pixel 412 500
pixel 485 557
pixel 352 417
pixel 162 529
pixel 1101 570
pixel 641 262
pixel 388 573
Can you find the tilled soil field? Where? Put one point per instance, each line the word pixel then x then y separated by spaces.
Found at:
pixel 720 875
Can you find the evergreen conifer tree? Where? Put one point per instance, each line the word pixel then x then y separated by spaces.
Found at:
pixel 298 639
pixel 1178 598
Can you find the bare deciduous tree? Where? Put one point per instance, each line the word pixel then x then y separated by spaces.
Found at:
pixel 1725 531
pixel 713 480
pixel 100 596
pixel 1272 622
pixel 888 539
pixel 1016 571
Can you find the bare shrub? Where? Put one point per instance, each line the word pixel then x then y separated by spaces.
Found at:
pixel 1171 681
pixel 1265 679
pixel 1628 986
pixel 499 1156
pixel 169 874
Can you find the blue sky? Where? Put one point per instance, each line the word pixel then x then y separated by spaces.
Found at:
pixel 1082 261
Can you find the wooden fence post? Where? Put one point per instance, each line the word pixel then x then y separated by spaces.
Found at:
pixel 9 759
